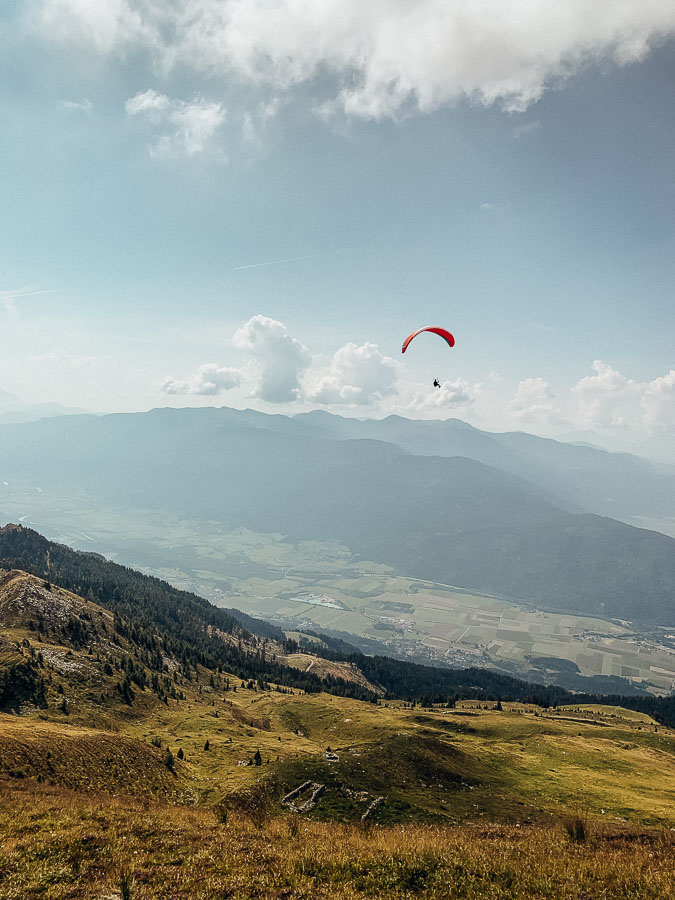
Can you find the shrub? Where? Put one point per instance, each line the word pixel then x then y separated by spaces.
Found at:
pixel 577 829
pixel 125 885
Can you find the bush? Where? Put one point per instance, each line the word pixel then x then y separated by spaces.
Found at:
pixel 577 829
pixel 125 885
pixel 256 802
pixel 221 814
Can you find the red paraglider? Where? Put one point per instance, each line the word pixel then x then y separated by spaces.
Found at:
pixel 441 332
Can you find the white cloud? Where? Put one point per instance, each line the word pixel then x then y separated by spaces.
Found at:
pixel 356 375
pixel 607 399
pixel 451 395
pixel 276 360
pixel 85 106
pixel 209 380
pixel 658 403
pixel 526 129
pixel 387 57
pixel 534 402
pixel 107 24
pixel 148 102
pixel 191 125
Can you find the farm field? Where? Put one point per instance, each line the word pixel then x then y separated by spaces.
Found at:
pixel 322 586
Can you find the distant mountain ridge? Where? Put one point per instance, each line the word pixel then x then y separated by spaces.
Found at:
pixel 599 481
pixel 14 410
pixel 446 518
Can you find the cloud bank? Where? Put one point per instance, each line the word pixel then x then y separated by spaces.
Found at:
pixel 384 58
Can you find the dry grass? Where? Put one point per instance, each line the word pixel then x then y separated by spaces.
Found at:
pixel 58 844
pixel 86 759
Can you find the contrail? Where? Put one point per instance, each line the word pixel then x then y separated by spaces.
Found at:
pixel 277 262
pixel 22 292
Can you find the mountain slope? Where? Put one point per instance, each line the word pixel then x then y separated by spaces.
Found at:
pixel 152 618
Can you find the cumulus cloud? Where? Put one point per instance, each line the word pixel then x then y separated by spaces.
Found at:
pixel 450 395
pixel 209 380
pixel 387 57
pixel 356 375
pixel 191 125
pixel 534 401
pixel 276 360
pixel 658 403
pixel 607 399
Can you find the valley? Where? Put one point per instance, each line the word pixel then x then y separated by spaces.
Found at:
pixel 265 575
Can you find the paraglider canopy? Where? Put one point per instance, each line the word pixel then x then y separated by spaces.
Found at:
pixel 441 332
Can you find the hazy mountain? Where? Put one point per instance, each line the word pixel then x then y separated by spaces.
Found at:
pixel 13 409
pixel 450 519
pixel 610 484
pixel 658 447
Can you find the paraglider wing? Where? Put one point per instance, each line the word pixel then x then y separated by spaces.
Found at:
pixel 441 332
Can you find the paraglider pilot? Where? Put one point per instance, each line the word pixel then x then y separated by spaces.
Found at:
pixel 437 383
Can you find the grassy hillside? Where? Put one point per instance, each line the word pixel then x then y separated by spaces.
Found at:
pixel 164 851
pixel 178 792
pixel 104 721
pixel 59 844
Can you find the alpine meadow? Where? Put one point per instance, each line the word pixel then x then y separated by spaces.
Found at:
pixel 337 450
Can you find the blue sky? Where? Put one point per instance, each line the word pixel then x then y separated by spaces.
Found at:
pixel 503 169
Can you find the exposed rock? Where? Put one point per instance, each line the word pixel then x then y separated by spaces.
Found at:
pixel 377 802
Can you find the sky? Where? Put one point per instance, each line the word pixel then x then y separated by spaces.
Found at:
pixel 252 202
